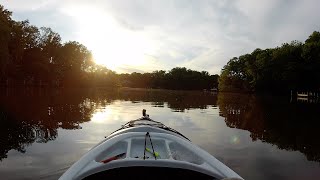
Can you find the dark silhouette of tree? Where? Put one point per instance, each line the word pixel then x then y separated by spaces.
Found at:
pixel 293 66
pixel 32 56
pixel 5 24
pixel 179 78
pixel 36 57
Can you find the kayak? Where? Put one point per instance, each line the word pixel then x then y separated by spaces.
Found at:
pixel 145 148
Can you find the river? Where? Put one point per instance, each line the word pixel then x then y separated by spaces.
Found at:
pixel 43 132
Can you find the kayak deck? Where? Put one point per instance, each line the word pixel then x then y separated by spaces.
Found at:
pixel 173 153
pixel 164 148
pixel 146 148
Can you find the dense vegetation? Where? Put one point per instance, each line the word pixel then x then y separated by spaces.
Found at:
pixel 31 56
pixel 176 78
pixel 294 66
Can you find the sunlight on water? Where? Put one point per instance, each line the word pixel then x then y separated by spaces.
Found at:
pixel 101 116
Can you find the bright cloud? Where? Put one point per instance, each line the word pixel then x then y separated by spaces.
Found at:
pixel 147 35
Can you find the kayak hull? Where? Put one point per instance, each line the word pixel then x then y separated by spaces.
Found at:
pixel 173 150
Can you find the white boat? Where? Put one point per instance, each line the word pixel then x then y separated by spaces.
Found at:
pixel 145 148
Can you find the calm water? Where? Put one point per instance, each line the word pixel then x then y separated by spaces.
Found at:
pixel 44 132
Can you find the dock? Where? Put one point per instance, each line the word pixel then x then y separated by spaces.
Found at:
pixel 305 96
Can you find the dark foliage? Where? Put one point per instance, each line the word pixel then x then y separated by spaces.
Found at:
pixel 31 56
pixel 294 66
pixel 176 78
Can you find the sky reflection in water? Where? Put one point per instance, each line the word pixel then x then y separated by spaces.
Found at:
pixel 44 133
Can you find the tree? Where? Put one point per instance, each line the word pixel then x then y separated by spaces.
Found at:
pixel 311 55
pixel 158 79
pixel 5 24
pixel 292 66
pixel 23 37
pixel 50 43
pixel 32 56
pixel 75 56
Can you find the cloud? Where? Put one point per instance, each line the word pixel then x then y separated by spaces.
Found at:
pixel 201 35
pixel 27 6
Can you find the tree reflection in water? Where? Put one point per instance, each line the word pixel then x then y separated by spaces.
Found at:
pixel 34 115
pixel 289 126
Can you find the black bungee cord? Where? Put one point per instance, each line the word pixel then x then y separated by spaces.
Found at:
pixel 145 146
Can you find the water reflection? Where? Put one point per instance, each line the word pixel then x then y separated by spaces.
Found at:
pixel 34 115
pixel 290 126
pixel 33 119
pixel 176 100
pixel 29 116
pixel 18 135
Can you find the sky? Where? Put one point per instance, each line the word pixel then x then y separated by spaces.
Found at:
pixel 147 35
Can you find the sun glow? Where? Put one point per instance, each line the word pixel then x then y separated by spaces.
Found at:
pixel 112 45
pixel 101 116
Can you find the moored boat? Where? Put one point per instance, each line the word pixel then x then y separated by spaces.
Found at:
pixel 145 148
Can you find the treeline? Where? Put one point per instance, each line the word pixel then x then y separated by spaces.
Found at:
pixel 176 78
pixel 32 56
pixel 293 66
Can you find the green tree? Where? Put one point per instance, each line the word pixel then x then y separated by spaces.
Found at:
pixel 292 66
